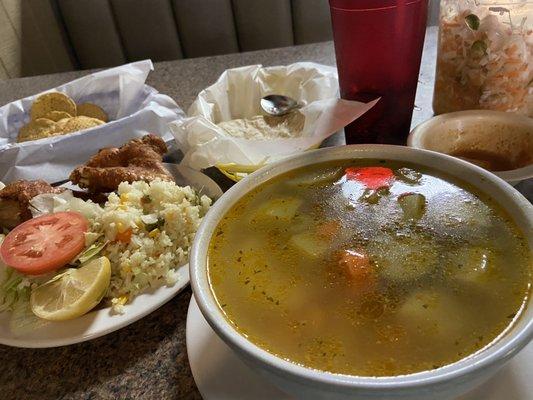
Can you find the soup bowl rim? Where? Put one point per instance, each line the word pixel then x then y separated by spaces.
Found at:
pixel 502 349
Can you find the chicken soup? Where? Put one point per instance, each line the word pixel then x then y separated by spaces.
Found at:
pixel 369 269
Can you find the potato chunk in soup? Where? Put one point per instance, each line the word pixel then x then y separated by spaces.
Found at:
pixel 369 268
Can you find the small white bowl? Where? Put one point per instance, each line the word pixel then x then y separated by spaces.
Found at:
pixel 506 134
pixel 306 383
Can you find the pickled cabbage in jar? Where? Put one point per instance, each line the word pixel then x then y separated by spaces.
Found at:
pixel 485 57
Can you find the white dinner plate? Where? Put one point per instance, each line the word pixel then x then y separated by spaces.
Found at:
pixel 95 323
pixel 221 375
pixel 101 322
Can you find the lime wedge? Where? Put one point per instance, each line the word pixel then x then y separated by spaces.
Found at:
pixel 73 293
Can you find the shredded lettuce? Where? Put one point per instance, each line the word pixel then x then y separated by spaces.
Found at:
pixel 15 290
pixel 12 288
pixel 91 252
pixel 23 320
pixel 12 285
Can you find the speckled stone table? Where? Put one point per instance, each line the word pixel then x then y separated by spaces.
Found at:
pixel 148 359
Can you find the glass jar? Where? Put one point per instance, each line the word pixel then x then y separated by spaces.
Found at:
pixel 485 56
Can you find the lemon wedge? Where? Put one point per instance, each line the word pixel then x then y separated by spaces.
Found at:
pixel 72 293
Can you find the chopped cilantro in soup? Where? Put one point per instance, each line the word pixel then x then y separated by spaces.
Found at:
pixel 373 269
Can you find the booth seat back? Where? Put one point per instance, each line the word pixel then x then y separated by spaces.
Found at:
pixel 45 36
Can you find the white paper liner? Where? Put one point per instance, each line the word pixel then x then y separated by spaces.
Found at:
pixel 134 108
pixel 237 94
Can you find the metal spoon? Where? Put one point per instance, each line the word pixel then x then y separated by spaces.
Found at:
pixel 278 105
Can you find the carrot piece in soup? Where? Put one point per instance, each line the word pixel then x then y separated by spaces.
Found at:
pixel 372 177
pixel 358 269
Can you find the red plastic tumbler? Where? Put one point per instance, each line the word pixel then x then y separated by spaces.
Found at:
pixel 378 44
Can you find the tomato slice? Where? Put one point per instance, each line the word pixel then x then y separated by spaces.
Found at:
pixel 372 177
pixel 45 243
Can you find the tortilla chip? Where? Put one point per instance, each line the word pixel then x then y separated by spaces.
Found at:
pixel 38 129
pixel 57 115
pixel 60 125
pixel 93 111
pixel 79 123
pixel 54 101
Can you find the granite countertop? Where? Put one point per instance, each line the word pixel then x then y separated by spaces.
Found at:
pixel 148 359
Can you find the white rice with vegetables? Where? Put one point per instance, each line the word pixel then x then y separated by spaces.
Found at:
pixel 145 230
pixel 148 230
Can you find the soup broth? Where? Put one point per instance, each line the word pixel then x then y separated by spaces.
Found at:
pixel 374 269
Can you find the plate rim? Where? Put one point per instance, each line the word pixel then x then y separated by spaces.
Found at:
pixel 167 293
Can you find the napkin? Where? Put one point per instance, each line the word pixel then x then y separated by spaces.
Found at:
pixel 134 108
pixel 237 94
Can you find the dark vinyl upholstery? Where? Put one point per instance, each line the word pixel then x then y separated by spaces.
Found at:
pixel 109 32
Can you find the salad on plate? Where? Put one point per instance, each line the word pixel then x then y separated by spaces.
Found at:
pixel 66 252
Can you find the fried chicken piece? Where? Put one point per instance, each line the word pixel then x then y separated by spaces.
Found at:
pixel 98 198
pixel 137 160
pixel 15 201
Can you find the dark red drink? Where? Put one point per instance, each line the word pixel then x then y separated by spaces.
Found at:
pixel 378 44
